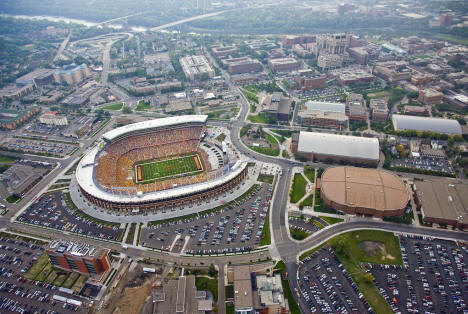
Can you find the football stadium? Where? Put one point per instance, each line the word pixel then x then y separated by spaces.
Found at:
pixel 153 165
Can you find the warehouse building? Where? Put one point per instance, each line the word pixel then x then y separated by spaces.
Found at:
pixel 426 124
pixel 315 146
pixel 361 191
pixel 442 202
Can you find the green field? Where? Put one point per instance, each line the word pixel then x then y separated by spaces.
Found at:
pixel 162 169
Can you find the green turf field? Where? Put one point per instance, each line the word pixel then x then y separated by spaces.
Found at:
pixel 163 169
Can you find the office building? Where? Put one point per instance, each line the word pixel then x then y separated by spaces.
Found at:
pixel 379 109
pixel 430 96
pixel 283 64
pixel 196 67
pixel 242 65
pixel 71 74
pixel 309 82
pixel 78 257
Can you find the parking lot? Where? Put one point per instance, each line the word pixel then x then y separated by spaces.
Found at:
pixel 327 287
pixel 235 229
pixel 303 224
pixel 433 278
pixel 424 163
pixel 51 211
pixel 39 147
pixel 75 126
pixel 20 295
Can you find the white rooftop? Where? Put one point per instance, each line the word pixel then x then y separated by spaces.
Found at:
pixel 339 145
pixel 163 122
pixel 438 125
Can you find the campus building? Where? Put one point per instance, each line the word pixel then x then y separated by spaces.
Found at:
pixel 78 257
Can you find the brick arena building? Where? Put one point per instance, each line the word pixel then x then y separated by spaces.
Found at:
pixel 363 191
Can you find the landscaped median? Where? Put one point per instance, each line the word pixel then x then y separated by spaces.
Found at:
pixel 298 188
pixel 365 246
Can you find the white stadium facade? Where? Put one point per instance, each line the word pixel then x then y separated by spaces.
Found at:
pixel 105 174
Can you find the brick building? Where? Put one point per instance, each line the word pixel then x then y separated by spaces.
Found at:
pixel 78 257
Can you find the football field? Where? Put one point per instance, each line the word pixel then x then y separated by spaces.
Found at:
pixel 157 170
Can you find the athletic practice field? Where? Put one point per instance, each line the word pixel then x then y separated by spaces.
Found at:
pixel 164 169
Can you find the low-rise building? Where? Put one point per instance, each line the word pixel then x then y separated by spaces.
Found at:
pixel 430 96
pixel 352 75
pixel 221 51
pixel 309 82
pixel 324 114
pixel 52 118
pixel 416 110
pixel 283 64
pixel 379 109
pixel 12 92
pixel 357 113
pixel 277 106
pixel 12 119
pixel 242 65
pixel 315 146
pixel 426 124
pixel 196 67
pixel 330 61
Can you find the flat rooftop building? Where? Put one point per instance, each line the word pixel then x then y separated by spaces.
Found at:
pixel 443 201
pixel 338 148
pixel 363 191
pixel 283 64
pixel 195 67
pixel 426 124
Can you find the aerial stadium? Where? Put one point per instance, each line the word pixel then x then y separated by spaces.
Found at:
pixel 154 165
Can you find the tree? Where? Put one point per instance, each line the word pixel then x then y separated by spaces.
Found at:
pixel 127 109
pixel 369 277
pixel 212 270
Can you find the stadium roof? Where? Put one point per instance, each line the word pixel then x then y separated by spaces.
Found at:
pixel 84 177
pixel 163 122
pixel 339 145
pixel 325 106
pixel 439 125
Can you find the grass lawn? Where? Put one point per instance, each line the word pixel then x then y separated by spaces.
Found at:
pixel 60 280
pixel 37 267
pixel 42 276
pixel 131 234
pixel 13 198
pixel 79 283
pixel 307 202
pixel 265 178
pixel 318 224
pixel 207 284
pixel 117 106
pixel 331 220
pixel 154 170
pixel 229 291
pixel 265 238
pixel 6 160
pixel 70 280
pixel 221 137
pixel 351 255
pixel 298 188
pixel 455 39
pixel 265 150
pixel 298 234
pixel 309 172
pixel 293 306
pixel 258 118
pixel 142 106
pixel 229 308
